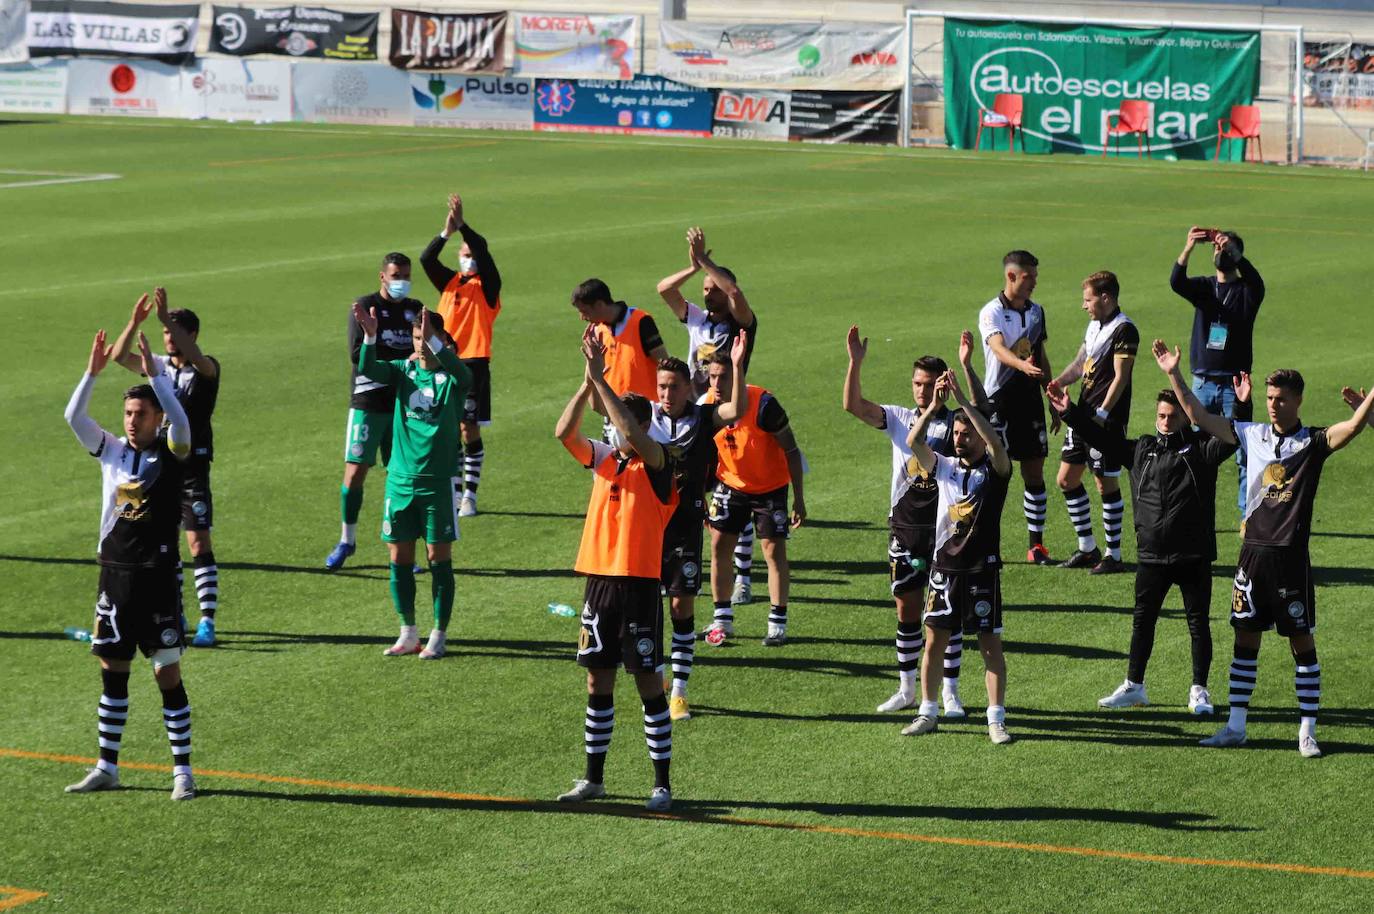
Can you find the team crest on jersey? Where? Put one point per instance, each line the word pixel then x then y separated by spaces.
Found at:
pixel 1022 348
pixel 1088 365
pixel 131 502
pixel 705 351
pixel 914 470
pixel 1276 482
pixel 959 515
pixel 421 402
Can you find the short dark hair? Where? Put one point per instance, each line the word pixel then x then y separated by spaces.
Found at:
pixel 592 292
pixel 1023 259
pixel 718 356
pixel 960 415
pixel 677 367
pixel 186 319
pixel 729 273
pixel 143 392
pixel 930 364
pixel 435 319
pixel 1235 241
pixel 397 258
pixel 638 406
pixel 1287 378
pixel 1168 396
pixel 1103 281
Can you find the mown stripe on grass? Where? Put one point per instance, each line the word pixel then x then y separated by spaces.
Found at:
pixel 525 803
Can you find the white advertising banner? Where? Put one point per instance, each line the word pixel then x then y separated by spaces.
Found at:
pixel 74 28
pixel 782 55
pixel 571 46
pixel 237 90
pixel 454 100
pixel 131 88
pixel 39 90
pixel 351 93
pixel 14 42
pixel 752 114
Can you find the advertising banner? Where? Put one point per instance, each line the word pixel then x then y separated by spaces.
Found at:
pixel 747 114
pixel 133 88
pixel 846 117
pixel 297 31
pixel 38 90
pixel 1338 74
pixel 493 102
pixel 237 90
pixel 350 93
pixel 465 42
pixel 14 25
pixel 572 46
pixel 1073 77
pixel 76 28
pixel 647 105
pixel 782 55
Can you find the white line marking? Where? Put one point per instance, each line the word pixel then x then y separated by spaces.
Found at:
pixel 52 177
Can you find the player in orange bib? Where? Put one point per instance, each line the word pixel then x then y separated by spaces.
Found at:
pixel 757 459
pixel 628 336
pixel 469 302
pixel 633 497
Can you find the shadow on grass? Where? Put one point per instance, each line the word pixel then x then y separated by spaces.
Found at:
pixel 725 812
pixel 352 571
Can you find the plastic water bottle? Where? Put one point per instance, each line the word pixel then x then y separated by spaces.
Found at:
pixel 74 633
pixel 562 609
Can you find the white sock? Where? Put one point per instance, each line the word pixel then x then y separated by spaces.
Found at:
pixel 928 709
pixel 1308 728
pixel 1115 553
pixel 1087 543
pixel 408 634
pixel 1237 718
pixel 350 534
pixel 908 678
pixel 950 688
pixel 997 714
pixel 437 638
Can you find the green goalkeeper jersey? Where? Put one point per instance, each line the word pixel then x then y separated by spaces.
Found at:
pixel 425 438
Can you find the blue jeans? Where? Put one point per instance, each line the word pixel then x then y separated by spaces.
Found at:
pixel 1218 397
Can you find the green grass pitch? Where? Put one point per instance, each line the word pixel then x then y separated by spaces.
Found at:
pixel 792 794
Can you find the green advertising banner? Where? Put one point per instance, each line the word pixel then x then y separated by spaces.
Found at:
pixel 1072 77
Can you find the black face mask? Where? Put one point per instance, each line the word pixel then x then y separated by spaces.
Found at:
pixel 1225 260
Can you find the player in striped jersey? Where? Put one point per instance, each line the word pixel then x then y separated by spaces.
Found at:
pixel 141 491
pixel 1273 584
pixel 621 554
pixel 429 390
pixel 1104 363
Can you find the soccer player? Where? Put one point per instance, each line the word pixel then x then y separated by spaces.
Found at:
pixel 141 476
pixel 687 429
pixel 1173 475
pixel 1225 308
pixel 1104 363
pixel 757 459
pixel 1273 585
pixel 965 579
pixel 373 403
pixel 911 515
pixel 195 378
pixel 1015 368
pixel 621 554
pixel 629 337
pixel 469 302
pixel 429 390
pixel 726 314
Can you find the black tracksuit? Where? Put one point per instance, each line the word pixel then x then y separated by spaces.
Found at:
pixel 1173 496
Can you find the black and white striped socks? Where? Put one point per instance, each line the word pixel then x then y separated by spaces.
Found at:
pixel 113 714
pixel 207 583
pixel 1081 517
pixel 176 715
pixel 1113 506
pixel 597 734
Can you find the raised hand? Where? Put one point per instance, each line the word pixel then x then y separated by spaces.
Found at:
pixel 1168 361
pixel 857 348
pixel 696 246
pixel 367 319
pixel 1058 397
pixel 739 348
pixel 160 301
pixel 426 324
pixel 142 308
pixel 1241 385
pixel 951 384
pixel 1352 397
pixel 1195 234
pixel 100 353
pixel 965 347
pixel 454 220
pixel 594 353
pixel 149 364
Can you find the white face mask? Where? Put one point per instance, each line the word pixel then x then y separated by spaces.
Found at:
pixel 618 441
pixel 467 265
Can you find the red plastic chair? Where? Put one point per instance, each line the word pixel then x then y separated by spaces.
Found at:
pixel 1007 110
pixel 1244 125
pixel 1134 118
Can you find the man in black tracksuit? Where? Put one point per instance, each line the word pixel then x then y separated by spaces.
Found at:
pixel 1173 492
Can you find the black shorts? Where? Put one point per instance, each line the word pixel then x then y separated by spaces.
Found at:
pixel 681 574
pixel 138 610
pixel 197 504
pixel 622 622
pixel 477 407
pixel 967 601
pixel 1076 452
pixel 730 511
pixel 908 555
pixel 1273 589
pixel 1018 414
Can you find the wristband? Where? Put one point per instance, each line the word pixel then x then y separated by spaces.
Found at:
pixel 369 339
pixel 1102 413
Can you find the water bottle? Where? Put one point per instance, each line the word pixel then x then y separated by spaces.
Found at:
pixel 562 609
pixel 74 633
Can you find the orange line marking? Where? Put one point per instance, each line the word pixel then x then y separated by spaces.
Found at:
pixel 13 897
pixel 1029 847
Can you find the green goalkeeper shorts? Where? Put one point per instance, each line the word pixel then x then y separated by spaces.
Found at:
pixel 424 508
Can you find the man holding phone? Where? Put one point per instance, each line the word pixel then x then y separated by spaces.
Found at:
pixel 1225 308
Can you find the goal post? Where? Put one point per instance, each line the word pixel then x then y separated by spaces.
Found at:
pixel 1279 95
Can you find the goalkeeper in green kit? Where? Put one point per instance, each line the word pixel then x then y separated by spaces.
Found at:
pixel 431 387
